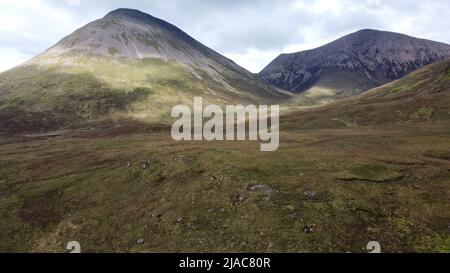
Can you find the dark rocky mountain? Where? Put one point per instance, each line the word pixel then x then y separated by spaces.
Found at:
pixel 353 64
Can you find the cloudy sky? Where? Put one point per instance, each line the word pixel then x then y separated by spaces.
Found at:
pixel 251 32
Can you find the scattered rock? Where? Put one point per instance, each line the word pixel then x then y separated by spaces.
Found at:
pixel 219 178
pixel 179 220
pixel 237 198
pixel 309 229
pixel 268 191
pixel 310 194
pixel 241 197
pixel 129 165
pixel 292 216
pixel 145 165
pixel 156 216
pixel 222 210
pixel 140 241
pixel 258 187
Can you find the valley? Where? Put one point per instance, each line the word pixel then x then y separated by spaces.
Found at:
pixel 330 190
pixel 87 155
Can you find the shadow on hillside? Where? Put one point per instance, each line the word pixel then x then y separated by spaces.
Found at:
pixel 44 101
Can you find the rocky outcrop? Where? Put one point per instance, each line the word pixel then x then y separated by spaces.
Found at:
pixel 372 57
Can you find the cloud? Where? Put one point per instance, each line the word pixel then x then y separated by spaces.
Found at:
pixel 11 58
pixel 73 2
pixel 251 32
pixel 253 59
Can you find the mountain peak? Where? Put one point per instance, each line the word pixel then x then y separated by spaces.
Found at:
pixel 133 14
pixel 126 64
pixel 369 30
pixel 133 34
pixel 126 11
pixel 142 17
pixel 366 59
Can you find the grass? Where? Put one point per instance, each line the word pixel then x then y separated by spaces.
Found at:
pixel 74 95
pixel 373 173
pixel 197 197
pixel 422 96
pixel 112 51
pixel 378 166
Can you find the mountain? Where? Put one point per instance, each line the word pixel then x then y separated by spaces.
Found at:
pixel 353 64
pixel 422 96
pixel 127 65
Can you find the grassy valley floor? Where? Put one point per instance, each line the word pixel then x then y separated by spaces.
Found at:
pixel 330 190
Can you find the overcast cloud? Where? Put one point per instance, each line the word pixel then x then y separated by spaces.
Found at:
pixel 251 32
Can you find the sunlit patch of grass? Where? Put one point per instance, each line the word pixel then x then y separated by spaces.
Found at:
pixel 369 172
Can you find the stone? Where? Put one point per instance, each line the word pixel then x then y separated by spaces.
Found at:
pixel 309 229
pixel 310 194
pixel 259 187
pixel 292 216
pixel 140 241
pixel 237 198
pixel 268 191
pixel 145 164
pixel 241 197
pixel 156 216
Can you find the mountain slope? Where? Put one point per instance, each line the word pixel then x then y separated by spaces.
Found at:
pixel 127 65
pixel 353 64
pixel 422 96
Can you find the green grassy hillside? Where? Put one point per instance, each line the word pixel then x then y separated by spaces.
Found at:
pixel 422 96
pixel 57 96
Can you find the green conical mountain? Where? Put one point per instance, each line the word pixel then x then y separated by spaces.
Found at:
pixel 126 65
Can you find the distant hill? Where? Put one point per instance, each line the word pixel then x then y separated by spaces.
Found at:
pixel 127 65
pixel 352 64
pixel 422 96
